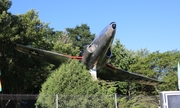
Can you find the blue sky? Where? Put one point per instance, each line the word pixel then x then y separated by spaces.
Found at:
pixel 151 24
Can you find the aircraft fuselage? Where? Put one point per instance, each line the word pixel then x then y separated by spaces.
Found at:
pixel 98 52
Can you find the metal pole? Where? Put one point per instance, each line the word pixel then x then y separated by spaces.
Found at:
pixel 178 77
pixel 0 82
pixel 2 102
pixel 56 100
pixel 115 98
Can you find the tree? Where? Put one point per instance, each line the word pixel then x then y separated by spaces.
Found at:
pixel 75 87
pixel 21 73
pixel 67 49
pixel 142 67
pixel 64 45
pixel 142 53
pixel 25 72
pixel 139 101
pixel 167 70
pixel 162 66
pixel 80 36
pixel 122 58
pixel 4 6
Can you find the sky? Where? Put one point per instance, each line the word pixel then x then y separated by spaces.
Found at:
pixel 151 24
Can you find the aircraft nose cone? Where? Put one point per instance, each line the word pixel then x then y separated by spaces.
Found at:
pixel 114 26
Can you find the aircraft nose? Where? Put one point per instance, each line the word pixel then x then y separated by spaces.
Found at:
pixel 114 26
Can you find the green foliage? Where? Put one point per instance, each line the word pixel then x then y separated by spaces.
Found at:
pixel 142 67
pixel 142 53
pixel 21 73
pixel 4 6
pixel 108 88
pixel 170 82
pixel 26 73
pixel 31 31
pixel 75 87
pixel 139 102
pixel 69 75
pixel 66 48
pixel 80 36
pixel 122 58
pixel 162 66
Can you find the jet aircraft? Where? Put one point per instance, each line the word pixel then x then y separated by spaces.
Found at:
pixel 95 58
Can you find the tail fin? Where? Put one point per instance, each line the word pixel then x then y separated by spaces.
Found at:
pixel 178 76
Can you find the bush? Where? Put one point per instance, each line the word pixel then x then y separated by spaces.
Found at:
pixel 75 87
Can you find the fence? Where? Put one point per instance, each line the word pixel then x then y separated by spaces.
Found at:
pixel 17 100
pixel 76 101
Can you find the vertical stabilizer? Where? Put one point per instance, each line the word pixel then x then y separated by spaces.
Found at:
pixel 178 76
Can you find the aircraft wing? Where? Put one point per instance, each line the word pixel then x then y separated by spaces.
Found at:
pixel 114 74
pixel 48 56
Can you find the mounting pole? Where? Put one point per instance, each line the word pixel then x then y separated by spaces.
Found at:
pixel 178 76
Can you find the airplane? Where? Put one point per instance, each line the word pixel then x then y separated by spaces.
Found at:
pixel 95 58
